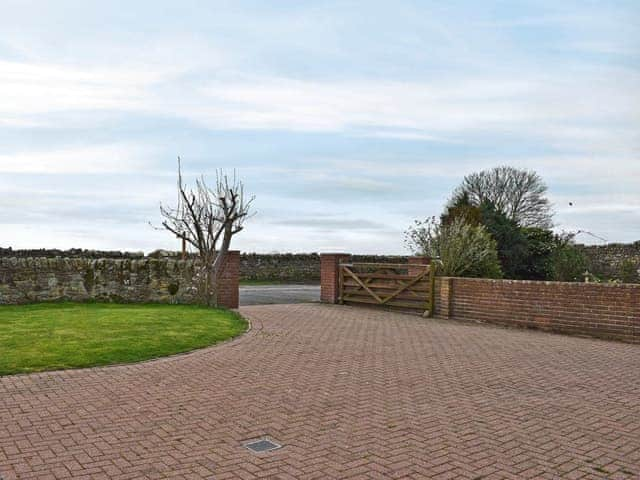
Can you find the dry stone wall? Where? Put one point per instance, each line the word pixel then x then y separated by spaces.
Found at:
pixel 38 279
pixel 607 260
pixel 294 267
pixel 87 275
pixel 71 253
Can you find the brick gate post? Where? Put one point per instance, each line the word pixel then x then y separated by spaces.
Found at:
pixel 330 275
pixel 229 282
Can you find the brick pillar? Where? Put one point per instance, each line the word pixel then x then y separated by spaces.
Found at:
pixel 417 260
pixel 229 282
pixel 329 275
pixel 444 297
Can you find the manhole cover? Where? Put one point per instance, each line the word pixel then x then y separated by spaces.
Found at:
pixel 262 445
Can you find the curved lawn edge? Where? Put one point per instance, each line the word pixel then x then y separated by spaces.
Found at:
pixel 221 343
pixel 194 351
pixel 143 333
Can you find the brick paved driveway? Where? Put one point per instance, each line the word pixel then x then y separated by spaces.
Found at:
pixel 351 393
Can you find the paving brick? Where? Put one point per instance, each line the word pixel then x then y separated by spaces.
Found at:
pixel 350 393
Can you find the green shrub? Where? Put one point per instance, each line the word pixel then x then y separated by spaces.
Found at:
pixel 629 271
pixel 524 253
pixel 537 265
pixel 510 240
pixel 568 263
pixel 464 250
pixel 461 208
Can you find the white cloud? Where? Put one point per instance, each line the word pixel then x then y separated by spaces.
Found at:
pixel 89 234
pixel 30 89
pixel 553 106
pixel 111 158
pixel 585 109
pixel 467 88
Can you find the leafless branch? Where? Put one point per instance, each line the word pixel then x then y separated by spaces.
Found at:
pixel 519 194
pixel 207 219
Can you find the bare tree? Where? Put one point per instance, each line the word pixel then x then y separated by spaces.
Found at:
pixel 518 194
pixel 207 219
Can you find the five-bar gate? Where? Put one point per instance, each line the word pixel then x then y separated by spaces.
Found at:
pixel 406 287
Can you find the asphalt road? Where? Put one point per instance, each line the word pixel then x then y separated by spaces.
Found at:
pixel 272 294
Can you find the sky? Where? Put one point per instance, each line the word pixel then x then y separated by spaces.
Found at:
pixel 346 119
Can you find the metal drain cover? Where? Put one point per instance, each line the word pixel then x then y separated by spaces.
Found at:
pixel 262 445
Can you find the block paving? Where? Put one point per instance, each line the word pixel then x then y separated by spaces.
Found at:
pixel 350 393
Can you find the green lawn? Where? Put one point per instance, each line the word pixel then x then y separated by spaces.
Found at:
pixel 54 336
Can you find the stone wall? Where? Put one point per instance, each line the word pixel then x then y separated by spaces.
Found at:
pixel 137 280
pixel 71 253
pixel 285 267
pixel 277 267
pixel 38 279
pixel 606 260
pixel 293 267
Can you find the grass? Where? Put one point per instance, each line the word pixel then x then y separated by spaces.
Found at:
pixel 55 336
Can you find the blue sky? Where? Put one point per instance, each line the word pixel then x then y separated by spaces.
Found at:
pixel 346 119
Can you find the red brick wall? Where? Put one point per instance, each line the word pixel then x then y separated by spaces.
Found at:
pixel 599 310
pixel 329 275
pixel 229 282
pixel 442 296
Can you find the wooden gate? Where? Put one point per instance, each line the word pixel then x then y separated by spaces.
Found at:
pixel 397 286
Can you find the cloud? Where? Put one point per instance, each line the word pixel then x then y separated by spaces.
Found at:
pixel 96 159
pixel 287 238
pixel 330 223
pixel 32 88
pixel 555 108
pixel 589 113
pixel 372 115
